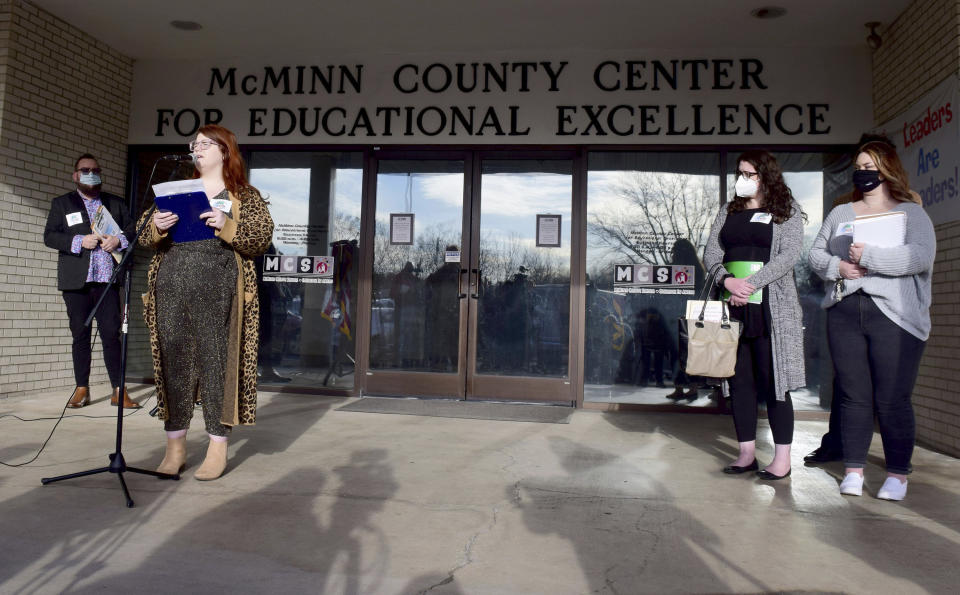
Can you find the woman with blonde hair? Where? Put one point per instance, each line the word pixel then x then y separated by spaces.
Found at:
pixel 878 316
pixel 202 309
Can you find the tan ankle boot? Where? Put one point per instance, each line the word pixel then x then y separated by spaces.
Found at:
pixel 176 456
pixel 215 462
pixel 79 398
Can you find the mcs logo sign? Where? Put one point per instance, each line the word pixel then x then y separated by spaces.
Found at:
pixel 314 266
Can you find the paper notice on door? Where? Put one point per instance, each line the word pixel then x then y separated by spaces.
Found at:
pixel 548 231
pixel 401 228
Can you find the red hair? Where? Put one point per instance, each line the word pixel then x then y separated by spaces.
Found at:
pixel 234 169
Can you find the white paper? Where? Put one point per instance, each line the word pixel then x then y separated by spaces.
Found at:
pixel 712 314
pixel 884 231
pixel 178 187
pixel 401 229
pixel 548 231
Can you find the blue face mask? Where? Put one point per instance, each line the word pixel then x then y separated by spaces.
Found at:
pixel 90 179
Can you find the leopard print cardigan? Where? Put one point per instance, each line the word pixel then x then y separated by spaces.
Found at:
pixel 249 234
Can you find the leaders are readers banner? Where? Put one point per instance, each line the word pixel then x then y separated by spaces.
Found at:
pixel 927 137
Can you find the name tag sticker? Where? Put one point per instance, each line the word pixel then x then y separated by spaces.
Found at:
pixel 222 204
pixel 761 218
pixel 845 229
pixel 74 218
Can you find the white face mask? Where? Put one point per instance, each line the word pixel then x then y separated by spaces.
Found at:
pixel 746 188
pixel 90 179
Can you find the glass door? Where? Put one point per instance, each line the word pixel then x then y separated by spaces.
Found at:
pixel 418 303
pixel 471 278
pixel 520 315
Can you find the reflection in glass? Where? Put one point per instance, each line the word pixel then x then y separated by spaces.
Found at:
pixel 415 315
pixel 644 209
pixel 308 329
pixel 524 295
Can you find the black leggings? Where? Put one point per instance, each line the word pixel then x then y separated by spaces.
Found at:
pixel 752 383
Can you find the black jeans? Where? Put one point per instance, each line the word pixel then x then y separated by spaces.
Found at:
pixel 876 363
pixel 752 383
pixel 79 305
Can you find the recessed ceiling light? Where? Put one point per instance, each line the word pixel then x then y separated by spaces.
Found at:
pixel 768 12
pixel 186 25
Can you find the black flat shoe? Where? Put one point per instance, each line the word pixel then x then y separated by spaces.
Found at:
pixel 737 470
pixel 677 394
pixel 764 474
pixel 822 455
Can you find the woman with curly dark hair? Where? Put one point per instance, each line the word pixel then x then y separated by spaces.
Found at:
pixel 753 246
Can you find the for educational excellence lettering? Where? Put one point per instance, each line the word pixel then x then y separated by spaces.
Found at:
pixel 388 121
pixel 724 119
pixel 641 119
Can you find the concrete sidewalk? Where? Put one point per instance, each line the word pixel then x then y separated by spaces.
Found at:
pixel 317 500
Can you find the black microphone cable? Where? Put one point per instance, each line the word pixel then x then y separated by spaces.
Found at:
pixel 54 428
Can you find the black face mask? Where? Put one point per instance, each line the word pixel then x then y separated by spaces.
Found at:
pixel 866 180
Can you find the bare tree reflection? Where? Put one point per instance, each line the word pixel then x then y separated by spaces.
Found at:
pixel 656 208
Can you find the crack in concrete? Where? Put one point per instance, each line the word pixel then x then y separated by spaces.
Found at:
pixel 468 547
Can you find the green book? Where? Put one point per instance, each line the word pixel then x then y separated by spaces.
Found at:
pixel 741 269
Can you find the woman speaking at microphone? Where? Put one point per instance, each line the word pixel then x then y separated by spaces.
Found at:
pixel 201 306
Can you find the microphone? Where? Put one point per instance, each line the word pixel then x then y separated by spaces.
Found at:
pixel 180 157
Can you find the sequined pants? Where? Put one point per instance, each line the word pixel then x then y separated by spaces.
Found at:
pixel 195 287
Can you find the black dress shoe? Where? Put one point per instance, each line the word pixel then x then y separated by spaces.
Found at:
pixel 676 394
pixel 822 455
pixel 737 470
pixel 764 474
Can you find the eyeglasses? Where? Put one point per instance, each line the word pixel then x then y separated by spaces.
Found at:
pixel 202 144
pixel 750 175
pixel 89 170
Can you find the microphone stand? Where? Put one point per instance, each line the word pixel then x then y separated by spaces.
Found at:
pixel 117 463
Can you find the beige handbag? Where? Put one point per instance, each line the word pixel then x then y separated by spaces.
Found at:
pixel 711 345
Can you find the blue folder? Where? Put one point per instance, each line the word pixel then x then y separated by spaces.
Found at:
pixel 188 206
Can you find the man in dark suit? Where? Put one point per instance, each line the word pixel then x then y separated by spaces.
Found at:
pixel 84 266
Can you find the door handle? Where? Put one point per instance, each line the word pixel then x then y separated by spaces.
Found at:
pixel 460 293
pixel 477 293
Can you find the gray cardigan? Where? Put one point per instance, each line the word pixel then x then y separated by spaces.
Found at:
pixel 777 276
pixel 898 279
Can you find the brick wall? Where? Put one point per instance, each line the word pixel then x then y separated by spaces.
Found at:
pixel 920 49
pixel 62 93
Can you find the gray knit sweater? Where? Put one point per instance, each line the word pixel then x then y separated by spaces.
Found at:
pixel 777 276
pixel 898 279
